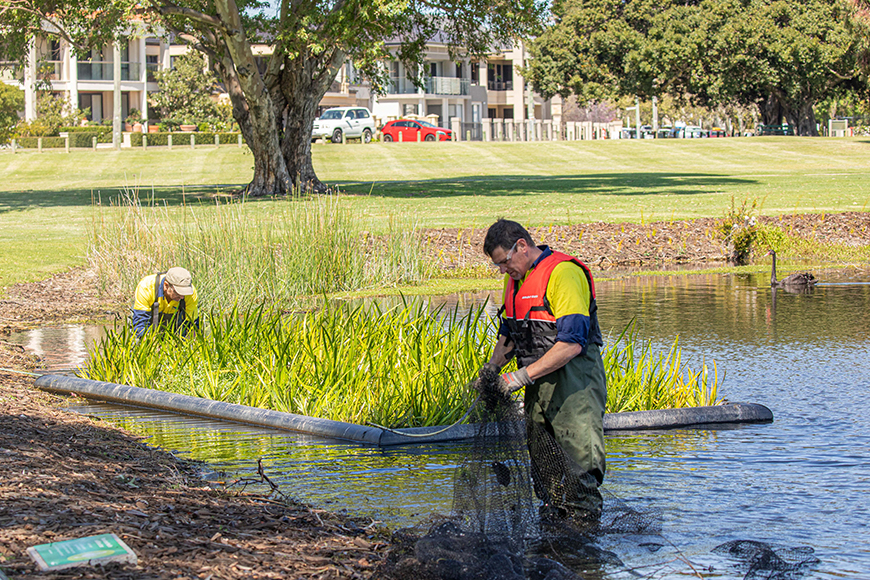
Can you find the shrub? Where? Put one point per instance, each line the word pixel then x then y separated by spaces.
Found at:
pixel 738 229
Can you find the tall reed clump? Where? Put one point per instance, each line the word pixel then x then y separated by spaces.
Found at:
pixel 402 367
pixel 240 253
pixel 405 366
pixel 639 379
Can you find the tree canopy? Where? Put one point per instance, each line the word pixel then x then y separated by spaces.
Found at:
pixel 275 102
pixel 781 55
pixel 185 90
pixel 11 101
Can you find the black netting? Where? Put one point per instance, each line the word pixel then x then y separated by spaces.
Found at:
pixel 523 509
pixel 516 518
pixel 767 561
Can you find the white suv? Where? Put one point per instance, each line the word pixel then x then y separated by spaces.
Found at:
pixel 344 121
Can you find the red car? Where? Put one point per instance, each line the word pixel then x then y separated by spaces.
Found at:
pixel 408 129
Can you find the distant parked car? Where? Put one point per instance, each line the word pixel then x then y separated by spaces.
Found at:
pixel 334 124
pixel 693 132
pixel 718 132
pixel 408 129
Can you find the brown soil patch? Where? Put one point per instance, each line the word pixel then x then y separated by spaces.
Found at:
pixel 67 297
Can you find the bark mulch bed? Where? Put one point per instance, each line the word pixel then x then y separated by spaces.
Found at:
pixel 604 246
pixel 65 476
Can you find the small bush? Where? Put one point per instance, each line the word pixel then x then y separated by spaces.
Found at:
pixel 47 142
pixel 739 231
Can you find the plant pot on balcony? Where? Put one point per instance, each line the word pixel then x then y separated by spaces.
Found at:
pixel 137 127
pixel 128 127
pixel 188 128
pixel 153 129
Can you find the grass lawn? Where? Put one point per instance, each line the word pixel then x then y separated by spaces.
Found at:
pixel 46 199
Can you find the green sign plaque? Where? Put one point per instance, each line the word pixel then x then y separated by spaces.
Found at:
pixel 81 552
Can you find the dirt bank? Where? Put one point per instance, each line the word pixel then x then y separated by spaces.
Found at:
pixel 605 246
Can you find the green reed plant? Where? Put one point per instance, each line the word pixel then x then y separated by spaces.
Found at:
pixel 238 253
pixel 404 366
pixel 640 379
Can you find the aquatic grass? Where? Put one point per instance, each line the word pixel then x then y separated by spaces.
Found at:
pixel 241 254
pixel 640 379
pixel 408 365
pixel 403 366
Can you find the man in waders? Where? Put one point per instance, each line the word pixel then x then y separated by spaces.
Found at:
pixel 165 300
pixel 550 324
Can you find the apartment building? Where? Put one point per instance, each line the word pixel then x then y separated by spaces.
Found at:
pixel 466 90
pixel 88 83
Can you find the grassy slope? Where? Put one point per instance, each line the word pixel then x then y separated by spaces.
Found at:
pixel 45 200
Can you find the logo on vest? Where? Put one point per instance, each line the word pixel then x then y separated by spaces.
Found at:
pixel 527 297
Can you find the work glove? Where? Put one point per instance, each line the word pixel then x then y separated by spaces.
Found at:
pixel 513 382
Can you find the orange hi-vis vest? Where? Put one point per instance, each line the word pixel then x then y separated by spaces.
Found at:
pixel 528 316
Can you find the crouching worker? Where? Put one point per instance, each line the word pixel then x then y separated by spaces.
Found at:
pixel 550 324
pixel 165 300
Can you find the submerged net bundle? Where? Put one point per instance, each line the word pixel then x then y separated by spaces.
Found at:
pixel 766 561
pixel 538 516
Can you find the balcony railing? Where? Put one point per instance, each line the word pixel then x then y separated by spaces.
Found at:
pixel 500 85
pixel 100 70
pixel 447 86
pixel 401 86
pixel 50 70
pixel 11 70
pixel 432 86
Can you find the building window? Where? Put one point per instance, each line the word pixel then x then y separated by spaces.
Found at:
pixel 500 77
pixel 475 73
pixel 54 50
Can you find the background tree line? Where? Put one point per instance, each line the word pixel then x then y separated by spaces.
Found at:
pixel 782 56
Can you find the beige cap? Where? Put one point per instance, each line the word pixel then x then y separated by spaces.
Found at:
pixel 181 280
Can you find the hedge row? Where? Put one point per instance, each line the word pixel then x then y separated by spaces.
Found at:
pixel 75 140
pixel 88 129
pixel 183 139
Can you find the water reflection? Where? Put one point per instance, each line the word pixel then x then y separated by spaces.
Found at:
pixel 61 348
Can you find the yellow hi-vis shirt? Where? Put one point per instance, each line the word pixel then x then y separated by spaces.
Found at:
pixel 145 298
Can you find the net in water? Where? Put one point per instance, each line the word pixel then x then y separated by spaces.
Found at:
pixel 514 517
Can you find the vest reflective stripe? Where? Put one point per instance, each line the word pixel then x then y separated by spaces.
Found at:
pixel 528 315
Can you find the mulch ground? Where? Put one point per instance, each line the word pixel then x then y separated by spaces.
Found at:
pixel 605 246
pixel 65 476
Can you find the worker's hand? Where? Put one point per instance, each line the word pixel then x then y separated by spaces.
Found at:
pixel 513 382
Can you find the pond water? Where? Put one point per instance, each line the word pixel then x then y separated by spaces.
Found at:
pixel 801 481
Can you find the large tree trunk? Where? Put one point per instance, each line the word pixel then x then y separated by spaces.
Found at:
pixel 805 119
pixel 252 107
pixel 298 89
pixel 270 170
pixel 772 110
